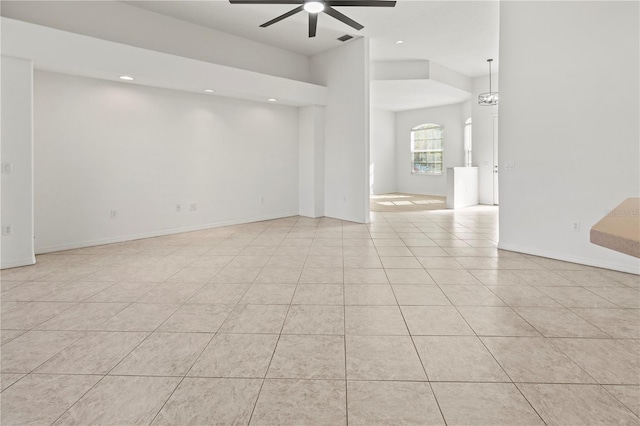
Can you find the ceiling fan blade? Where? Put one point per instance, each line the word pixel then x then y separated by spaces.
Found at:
pixel 283 16
pixel 368 3
pixel 266 1
pixel 343 18
pixel 313 24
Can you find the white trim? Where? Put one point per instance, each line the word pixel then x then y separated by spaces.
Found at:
pixel 311 216
pixel 567 258
pixel 160 233
pixel 18 263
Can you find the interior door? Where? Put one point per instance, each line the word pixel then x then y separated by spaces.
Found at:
pixel 496 163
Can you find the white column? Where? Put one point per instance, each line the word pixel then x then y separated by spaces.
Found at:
pixel 311 161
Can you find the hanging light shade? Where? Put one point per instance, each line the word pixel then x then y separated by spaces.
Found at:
pixel 489 98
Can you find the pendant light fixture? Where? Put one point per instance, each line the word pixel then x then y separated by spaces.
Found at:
pixel 489 98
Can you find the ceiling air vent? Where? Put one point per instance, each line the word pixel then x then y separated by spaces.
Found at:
pixel 345 37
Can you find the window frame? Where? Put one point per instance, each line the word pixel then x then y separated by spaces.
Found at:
pixel 414 151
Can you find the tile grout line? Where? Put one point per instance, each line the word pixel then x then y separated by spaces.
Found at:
pixel 275 348
pixel 138 345
pixel 492 355
pixel 118 363
pixel 210 340
pixel 344 311
pixel 413 341
pixel 344 337
pixel 524 382
pixel 619 400
pixel 197 358
pixel 414 346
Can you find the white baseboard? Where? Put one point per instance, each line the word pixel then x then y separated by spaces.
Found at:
pixel 160 233
pixel 573 259
pixel 311 216
pixel 18 263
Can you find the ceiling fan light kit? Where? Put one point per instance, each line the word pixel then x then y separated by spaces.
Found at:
pixel 314 7
pixel 489 98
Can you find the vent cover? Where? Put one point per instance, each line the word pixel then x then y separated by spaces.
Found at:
pixel 345 37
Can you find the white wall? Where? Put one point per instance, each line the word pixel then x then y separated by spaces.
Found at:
pixel 311 161
pixel 482 128
pixel 382 169
pixel 123 23
pixel 17 148
pixel 102 146
pixel 345 72
pixel 452 118
pixel 569 120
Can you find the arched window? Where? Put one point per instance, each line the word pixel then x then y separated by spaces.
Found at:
pixel 427 149
pixel 468 146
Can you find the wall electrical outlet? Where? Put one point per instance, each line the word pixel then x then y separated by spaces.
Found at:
pixel 114 214
pixel 7 167
pixel 178 208
pixel 7 229
pixel 575 226
pixel 261 200
pixel 193 207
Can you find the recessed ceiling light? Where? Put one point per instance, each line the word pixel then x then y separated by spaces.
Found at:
pixel 314 6
pixel 126 77
pixel 399 41
pixel 272 100
pixel 209 90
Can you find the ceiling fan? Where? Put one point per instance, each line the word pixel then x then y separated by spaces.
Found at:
pixel 316 6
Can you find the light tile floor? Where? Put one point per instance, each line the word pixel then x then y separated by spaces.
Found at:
pixel 416 318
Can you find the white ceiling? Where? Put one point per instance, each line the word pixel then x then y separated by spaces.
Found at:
pixel 460 35
pixel 402 95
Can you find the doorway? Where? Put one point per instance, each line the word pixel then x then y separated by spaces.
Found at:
pixel 399 202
